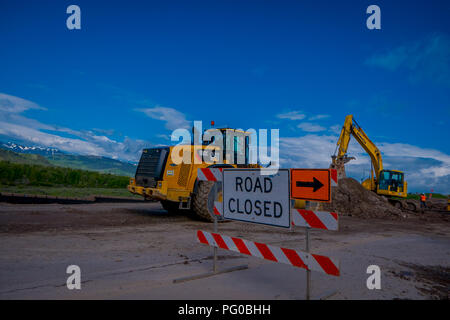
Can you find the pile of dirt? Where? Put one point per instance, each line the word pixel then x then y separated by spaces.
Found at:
pixel 432 204
pixel 351 199
pixel 438 204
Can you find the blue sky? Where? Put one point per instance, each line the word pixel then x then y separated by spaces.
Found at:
pixel 138 69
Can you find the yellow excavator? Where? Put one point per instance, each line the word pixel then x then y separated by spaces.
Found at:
pixel 388 183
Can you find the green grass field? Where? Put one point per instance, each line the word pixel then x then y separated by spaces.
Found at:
pixel 69 192
pixel 35 175
pixel 435 195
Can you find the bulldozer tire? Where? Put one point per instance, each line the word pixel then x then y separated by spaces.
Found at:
pixel 200 200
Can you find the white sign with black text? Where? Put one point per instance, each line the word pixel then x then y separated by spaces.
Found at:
pixel 251 197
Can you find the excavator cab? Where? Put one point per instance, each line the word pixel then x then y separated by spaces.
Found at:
pixel 391 182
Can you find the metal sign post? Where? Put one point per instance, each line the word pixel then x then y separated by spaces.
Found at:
pixel 215 248
pixel 313 185
pixel 308 272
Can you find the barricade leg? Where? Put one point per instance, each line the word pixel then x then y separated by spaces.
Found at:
pixel 215 248
pixel 215 270
pixel 308 272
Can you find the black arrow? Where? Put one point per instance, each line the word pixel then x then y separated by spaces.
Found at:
pixel 315 184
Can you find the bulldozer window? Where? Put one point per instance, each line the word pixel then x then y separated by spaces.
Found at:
pixel 238 147
pixel 207 143
pixel 239 150
pixel 247 142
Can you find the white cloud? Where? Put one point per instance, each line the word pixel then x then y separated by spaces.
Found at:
pixel 163 136
pixel 12 104
pixel 425 59
pixel 309 151
pixel 292 115
pixel 173 118
pixel 424 168
pixel 13 124
pixel 318 117
pixel 336 129
pixel 436 172
pixel 311 127
pixel 109 132
pixel 407 150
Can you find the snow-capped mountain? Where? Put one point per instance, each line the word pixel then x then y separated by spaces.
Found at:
pixel 43 151
pixel 56 157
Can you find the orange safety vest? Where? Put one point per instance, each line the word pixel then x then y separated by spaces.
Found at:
pixel 423 198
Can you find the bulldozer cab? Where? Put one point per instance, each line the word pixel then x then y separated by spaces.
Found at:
pixel 236 148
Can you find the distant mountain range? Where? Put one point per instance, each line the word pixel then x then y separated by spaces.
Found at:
pixel 14 152
pixel 43 151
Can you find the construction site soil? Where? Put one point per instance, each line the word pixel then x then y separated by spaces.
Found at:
pixel 351 199
pixel 135 250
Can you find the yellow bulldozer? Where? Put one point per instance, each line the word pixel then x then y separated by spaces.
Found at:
pixel 388 183
pixel 158 177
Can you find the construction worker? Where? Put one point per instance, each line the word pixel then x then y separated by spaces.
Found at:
pixel 423 199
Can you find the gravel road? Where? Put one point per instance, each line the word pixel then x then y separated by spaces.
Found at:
pixel 135 250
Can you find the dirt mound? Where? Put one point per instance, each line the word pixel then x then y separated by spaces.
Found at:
pixel 438 204
pixel 351 199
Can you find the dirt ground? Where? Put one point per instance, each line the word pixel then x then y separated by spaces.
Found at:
pixel 136 250
pixel 352 199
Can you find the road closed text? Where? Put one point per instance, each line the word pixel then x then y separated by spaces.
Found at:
pixel 249 196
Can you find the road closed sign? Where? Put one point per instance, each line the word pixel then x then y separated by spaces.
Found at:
pixel 251 197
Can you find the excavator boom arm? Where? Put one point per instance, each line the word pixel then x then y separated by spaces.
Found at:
pixel 351 128
pixel 370 148
pixel 344 138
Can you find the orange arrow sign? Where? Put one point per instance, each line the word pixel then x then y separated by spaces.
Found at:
pixel 311 184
